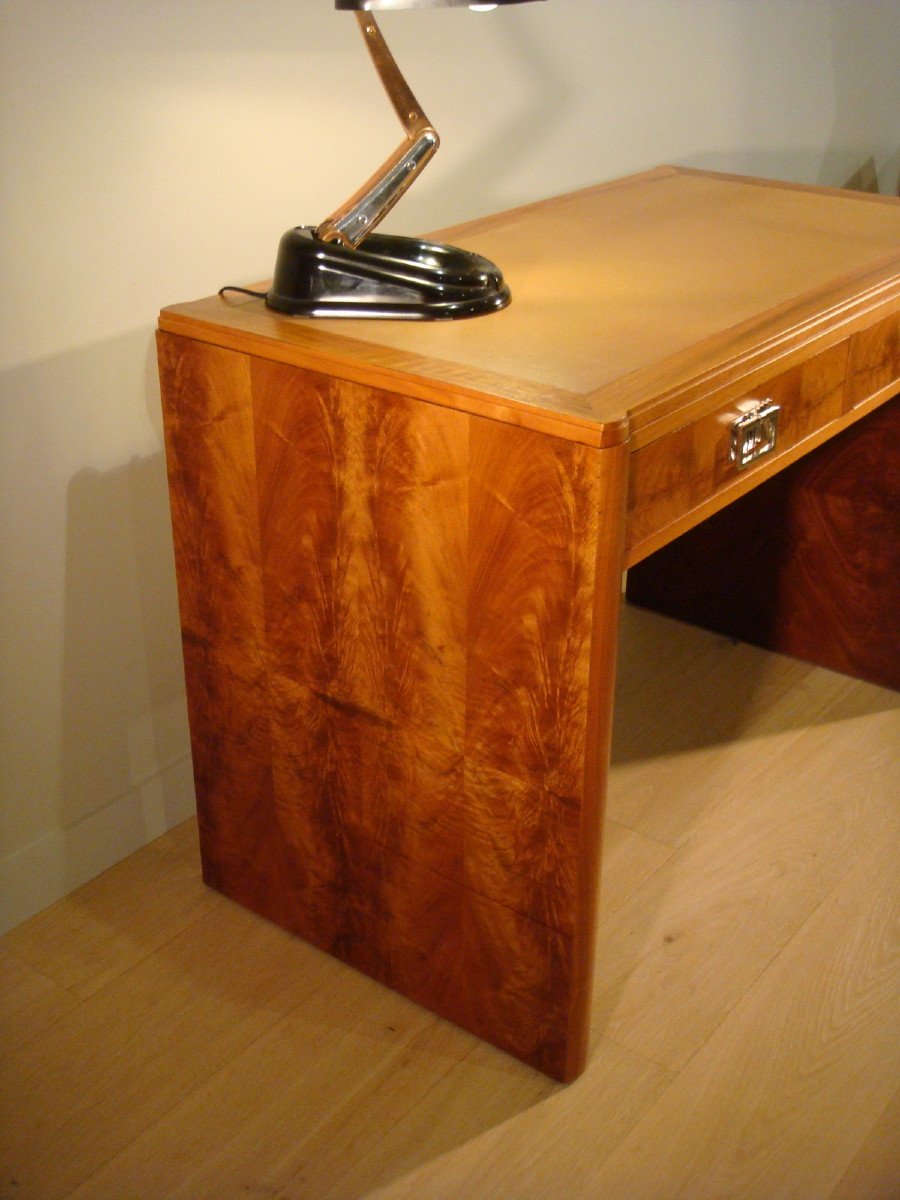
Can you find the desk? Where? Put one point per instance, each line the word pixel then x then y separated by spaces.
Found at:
pixel 400 550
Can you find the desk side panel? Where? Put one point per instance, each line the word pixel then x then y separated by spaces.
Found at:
pixel 397 683
pixel 208 423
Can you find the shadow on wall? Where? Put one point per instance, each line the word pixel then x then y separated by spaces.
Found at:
pixel 94 755
pixel 123 715
pixel 866 94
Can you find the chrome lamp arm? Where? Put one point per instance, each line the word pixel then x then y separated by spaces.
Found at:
pixel 340 268
pixel 359 215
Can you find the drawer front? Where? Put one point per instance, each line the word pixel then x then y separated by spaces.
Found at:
pixel 874 366
pixel 687 468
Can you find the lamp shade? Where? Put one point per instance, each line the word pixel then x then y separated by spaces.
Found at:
pixel 398 5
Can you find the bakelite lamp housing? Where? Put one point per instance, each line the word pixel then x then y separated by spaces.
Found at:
pixel 340 268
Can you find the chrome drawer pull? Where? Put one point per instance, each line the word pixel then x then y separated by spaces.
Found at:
pixel 754 434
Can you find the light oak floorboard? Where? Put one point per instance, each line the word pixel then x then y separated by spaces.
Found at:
pixel 109 925
pixel 29 1001
pixel 685 696
pixel 629 860
pixel 160 1041
pixel 785 1091
pixel 715 914
pixel 553 1149
pixel 258 1122
pixel 771 1107
pixel 875 1170
pixel 73 1098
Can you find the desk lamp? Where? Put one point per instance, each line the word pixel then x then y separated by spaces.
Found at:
pixel 340 268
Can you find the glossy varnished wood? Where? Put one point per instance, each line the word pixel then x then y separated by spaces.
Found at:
pixel 808 564
pixel 689 472
pixel 159 1041
pixel 398 731
pixel 874 368
pixel 400 547
pixel 637 305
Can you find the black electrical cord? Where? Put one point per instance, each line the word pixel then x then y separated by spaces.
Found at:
pixel 230 287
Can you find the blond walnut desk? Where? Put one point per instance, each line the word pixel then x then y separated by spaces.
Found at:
pixel 400 550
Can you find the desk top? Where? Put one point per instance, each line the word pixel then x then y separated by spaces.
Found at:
pixel 631 301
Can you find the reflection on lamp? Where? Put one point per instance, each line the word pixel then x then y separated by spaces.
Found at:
pixel 339 268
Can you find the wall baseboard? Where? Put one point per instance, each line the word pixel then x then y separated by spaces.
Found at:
pixel 52 866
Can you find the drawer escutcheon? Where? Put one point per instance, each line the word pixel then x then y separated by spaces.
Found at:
pixel 754 434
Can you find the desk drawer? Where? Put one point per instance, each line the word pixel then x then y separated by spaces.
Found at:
pixel 874 367
pixel 688 468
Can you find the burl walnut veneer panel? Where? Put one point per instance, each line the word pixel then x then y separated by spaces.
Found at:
pixel 398 646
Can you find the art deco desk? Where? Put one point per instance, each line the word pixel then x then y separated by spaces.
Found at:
pixel 400 551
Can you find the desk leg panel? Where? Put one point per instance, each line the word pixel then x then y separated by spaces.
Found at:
pixel 208 424
pixel 399 687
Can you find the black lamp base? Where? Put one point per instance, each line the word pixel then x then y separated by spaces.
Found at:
pixel 391 277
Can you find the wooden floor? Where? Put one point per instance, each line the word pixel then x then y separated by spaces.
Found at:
pixel 160 1042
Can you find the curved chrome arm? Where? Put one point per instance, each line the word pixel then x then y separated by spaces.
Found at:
pixel 359 215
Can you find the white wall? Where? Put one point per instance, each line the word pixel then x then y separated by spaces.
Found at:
pixel 866 62
pixel 153 150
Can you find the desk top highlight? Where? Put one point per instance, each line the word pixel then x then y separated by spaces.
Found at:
pixel 629 299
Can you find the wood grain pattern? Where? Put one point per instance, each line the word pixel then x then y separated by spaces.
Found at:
pixel 399 555
pixel 208 424
pixel 394 734
pixel 874 367
pixel 723 1139
pixel 166 1043
pixel 808 564
pixel 875 1169
pixel 640 303
pixel 679 473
